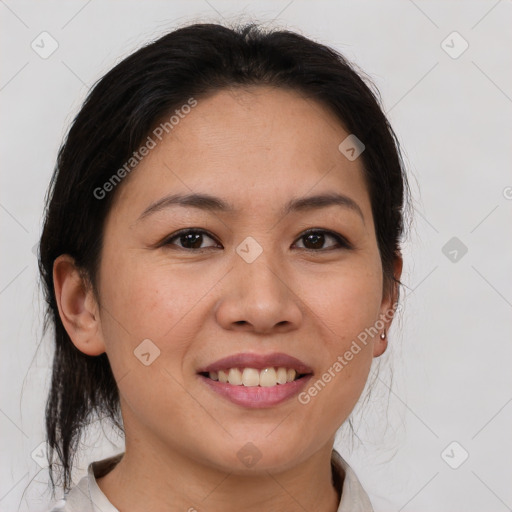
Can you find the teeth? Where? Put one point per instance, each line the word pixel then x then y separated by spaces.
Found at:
pixel 251 377
pixel 281 375
pixel 290 375
pixel 268 377
pixel 235 377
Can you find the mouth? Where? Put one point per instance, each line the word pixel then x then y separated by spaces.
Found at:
pixel 255 380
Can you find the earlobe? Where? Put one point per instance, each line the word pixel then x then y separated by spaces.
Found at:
pixel 388 309
pixel 78 308
pixel 381 343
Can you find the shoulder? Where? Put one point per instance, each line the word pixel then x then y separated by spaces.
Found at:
pixel 76 500
pixel 58 506
pixel 353 497
pixel 86 496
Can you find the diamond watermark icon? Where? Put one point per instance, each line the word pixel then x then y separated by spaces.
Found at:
pixel 454 45
pixel 454 455
pixel 454 249
pixel 39 455
pixel 249 455
pixel 351 147
pixel 249 249
pixel 44 45
pixel 146 352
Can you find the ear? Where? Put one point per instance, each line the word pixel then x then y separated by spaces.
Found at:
pixel 78 308
pixel 388 308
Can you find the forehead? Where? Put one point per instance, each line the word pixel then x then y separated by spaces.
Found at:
pixel 256 147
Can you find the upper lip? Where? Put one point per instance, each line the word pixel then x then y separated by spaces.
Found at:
pixel 258 361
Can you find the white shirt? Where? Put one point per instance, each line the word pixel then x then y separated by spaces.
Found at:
pixel 88 497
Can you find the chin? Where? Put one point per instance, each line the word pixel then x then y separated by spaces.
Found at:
pixel 260 453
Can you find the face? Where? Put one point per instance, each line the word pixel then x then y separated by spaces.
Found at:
pixel 263 285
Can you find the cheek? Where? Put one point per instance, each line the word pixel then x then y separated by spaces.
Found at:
pixel 151 298
pixel 346 304
pixel 142 302
pixel 346 300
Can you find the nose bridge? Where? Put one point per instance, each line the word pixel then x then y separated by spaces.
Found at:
pixel 257 295
pixel 259 277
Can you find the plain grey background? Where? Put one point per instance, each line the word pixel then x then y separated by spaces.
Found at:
pixel 439 438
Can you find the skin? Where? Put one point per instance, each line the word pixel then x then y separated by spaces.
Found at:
pixel 256 148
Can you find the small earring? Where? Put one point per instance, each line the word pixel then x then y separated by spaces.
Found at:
pixel 383 335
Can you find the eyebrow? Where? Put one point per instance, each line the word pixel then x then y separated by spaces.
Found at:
pixel 208 202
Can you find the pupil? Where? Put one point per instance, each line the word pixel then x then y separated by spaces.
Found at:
pixel 190 240
pixel 317 240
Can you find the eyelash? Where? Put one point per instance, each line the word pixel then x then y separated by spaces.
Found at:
pixel 343 243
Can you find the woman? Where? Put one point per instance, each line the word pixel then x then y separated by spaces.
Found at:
pixel 221 259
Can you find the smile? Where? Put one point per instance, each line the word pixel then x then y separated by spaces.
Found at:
pixel 256 381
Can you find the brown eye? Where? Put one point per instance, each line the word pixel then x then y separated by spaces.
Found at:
pixel 190 239
pixel 315 240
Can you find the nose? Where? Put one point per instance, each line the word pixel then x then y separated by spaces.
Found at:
pixel 257 298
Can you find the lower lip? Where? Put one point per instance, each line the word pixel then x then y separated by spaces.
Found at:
pixel 257 397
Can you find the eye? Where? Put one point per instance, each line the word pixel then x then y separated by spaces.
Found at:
pixel 190 239
pixel 315 239
pixel 312 240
